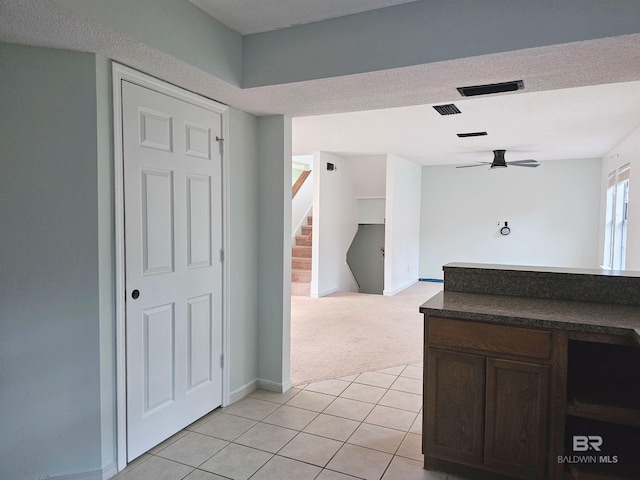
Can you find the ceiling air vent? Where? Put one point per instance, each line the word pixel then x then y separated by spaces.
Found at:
pixel 471 134
pixel 449 109
pixel 491 88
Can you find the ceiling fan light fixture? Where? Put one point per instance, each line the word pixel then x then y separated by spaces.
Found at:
pixel 498 159
pixel 491 88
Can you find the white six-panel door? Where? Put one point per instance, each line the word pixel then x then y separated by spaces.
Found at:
pixel 173 238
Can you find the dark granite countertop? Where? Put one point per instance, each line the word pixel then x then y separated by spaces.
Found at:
pixel 543 270
pixel 552 283
pixel 611 319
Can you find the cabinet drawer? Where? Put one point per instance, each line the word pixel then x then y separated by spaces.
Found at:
pixel 524 342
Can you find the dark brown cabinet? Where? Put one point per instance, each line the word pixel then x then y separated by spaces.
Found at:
pixel 483 408
pixel 533 373
pixel 455 406
pixel 515 418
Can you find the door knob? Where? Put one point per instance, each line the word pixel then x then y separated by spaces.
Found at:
pixel 135 294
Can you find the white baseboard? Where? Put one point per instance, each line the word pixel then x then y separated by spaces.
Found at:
pixel 253 385
pixel 109 471
pixel 325 293
pixel 398 290
pixel 243 391
pixel 274 386
pixel 104 473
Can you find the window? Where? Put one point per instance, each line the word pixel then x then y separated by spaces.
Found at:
pixel 615 240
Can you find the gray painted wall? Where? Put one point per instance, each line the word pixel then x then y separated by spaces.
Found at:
pixel 56 249
pixel 365 258
pixel 397 36
pixel 176 27
pixel 57 334
pixel 50 285
pixel 274 251
pixel 413 33
pixel 242 251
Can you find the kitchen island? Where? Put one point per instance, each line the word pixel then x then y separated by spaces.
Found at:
pixel 533 373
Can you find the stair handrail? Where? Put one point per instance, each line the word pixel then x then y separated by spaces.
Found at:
pixel 296 186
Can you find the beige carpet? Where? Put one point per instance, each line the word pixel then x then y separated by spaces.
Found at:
pixel 346 333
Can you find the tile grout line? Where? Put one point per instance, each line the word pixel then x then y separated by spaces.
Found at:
pixel 393 455
pixel 360 423
pixel 278 405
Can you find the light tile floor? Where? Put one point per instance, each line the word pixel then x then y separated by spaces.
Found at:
pixel 366 426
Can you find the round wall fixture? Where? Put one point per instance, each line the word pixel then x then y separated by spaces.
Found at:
pixel 505 230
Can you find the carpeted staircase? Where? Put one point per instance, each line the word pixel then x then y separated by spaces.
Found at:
pixel 301 261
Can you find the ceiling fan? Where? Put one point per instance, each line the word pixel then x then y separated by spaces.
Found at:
pixel 499 162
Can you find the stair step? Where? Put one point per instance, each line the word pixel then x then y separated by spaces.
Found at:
pixel 300 275
pixel 303 240
pixel 300 289
pixel 301 263
pixel 301 251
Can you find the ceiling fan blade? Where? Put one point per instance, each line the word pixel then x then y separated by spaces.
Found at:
pixel 532 165
pixel 499 162
pixel 474 165
pixel 523 162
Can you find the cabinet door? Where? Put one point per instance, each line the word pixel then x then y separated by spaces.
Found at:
pixel 455 407
pixel 516 415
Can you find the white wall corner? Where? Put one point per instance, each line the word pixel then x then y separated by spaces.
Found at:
pixel 402 224
pixel 324 293
pixel 335 211
pixel 317 222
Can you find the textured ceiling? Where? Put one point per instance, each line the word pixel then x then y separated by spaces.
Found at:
pixel 255 16
pixel 556 68
pixel 584 122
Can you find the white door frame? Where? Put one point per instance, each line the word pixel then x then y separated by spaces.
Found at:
pixel 120 73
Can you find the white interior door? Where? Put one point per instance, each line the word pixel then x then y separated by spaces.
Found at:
pixel 173 236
